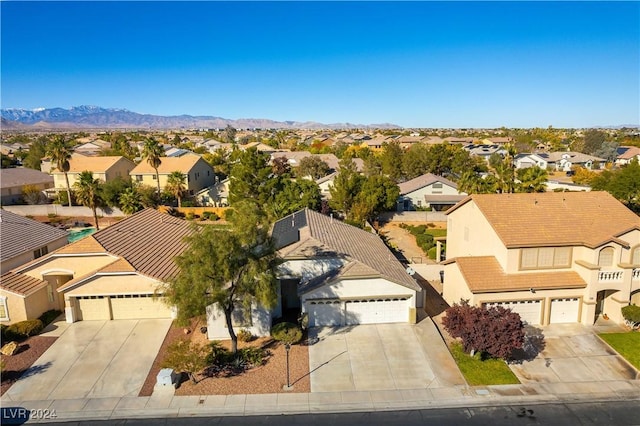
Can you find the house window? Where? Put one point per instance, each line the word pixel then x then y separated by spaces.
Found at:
pixel 40 252
pixel 605 257
pixel 545 257
pixel 4 310
pixel 635 257
pixel 138 178
pixel 153 177
pixel 437 185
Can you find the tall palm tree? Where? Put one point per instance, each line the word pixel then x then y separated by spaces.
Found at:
pixel 88 192
pixel 130 201
pixel 152 152
pixel 532 179
pixel 176 185
pixel 60 154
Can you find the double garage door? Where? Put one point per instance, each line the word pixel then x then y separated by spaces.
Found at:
pixel 131 306
pixel 352 312
pixel 530 310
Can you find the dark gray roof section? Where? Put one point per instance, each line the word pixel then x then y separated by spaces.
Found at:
pixel 352 242
pixel 287 231
pixel 19 234
pixel 19 176
pixel 148 240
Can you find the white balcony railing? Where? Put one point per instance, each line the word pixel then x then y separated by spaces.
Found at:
pixel 610 276
pixel 635 275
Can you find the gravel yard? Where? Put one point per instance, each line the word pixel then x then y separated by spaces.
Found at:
pixel 268 378
pixel 28 352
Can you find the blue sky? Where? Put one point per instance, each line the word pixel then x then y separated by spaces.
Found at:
pixel 415 64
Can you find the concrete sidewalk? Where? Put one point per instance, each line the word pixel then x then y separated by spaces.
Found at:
pixel 167 405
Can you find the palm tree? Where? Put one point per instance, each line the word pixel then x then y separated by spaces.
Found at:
pixel 60 154
pixel 176 185
pixel 152 152
pixel 130 201
pixel 532 179
pixel 88 192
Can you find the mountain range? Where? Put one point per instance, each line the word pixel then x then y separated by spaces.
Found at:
pixel 94 117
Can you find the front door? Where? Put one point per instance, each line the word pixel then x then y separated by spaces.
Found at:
pixel 599 303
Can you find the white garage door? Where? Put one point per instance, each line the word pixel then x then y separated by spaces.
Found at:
pixel 324 312
pixel 139 306
pixel 376 311
pixel 529 310
pixel 564 310
pixel 93 308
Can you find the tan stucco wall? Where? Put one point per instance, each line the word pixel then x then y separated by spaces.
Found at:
pixel 121 169
pixel 15 306
pixel 38 303
pixel 77 265
pixel 193 184
pixel 454 287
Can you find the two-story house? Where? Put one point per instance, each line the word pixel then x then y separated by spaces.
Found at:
pixel 552 257
pixel 199 174
pixel 106 169
pixel 428 190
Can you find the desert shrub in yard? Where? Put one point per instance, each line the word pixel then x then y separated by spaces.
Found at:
pixel 210 216
pixel 495 331
pixel 25 328
pixel 286 332
pixel 186 357
pixel 631 313
pixel 222 361
pixel 49 316
pixel 245 335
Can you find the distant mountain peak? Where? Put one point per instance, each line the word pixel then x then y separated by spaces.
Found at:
pixel 95 117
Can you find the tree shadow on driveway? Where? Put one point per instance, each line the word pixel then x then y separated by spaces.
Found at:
pixel 534 343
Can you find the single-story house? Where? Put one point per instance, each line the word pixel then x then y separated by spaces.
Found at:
pixel 13 180
pixel 334 273
pixel 626 154
pixel 553 257
pixel 116 273
pixel 428 190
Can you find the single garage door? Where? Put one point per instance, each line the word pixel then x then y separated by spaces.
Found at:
pixel 529 310
pixel 93 308
pixel 324 312
pixel 139 306
pixel 564 310
pixel 376 311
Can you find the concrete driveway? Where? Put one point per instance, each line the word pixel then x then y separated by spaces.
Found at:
pixel 94 359
pixel 572 353
pixel 380 357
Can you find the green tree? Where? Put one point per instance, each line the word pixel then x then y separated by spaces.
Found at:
pixel 252 178
pixel 176 185
pixel 113 189
pixel 229 268
pixel 185 356
pixel 346 186
pixel 376 194
pixel 391 161
pixel 37 151
pixel 532 179
pixel 60 153
pixel 32 195
pixel 295 195
pixel 88 192
pixel 229 134
pixel 415 161
pixel 130 201
pixel 152 152
pixel 220 161
pixel 593 140
pixel 623 184
pixel 312 166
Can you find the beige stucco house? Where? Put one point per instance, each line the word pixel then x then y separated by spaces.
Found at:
pixel 552 257
pixel 117 273
pixel 428 190
pixel 199 174
pixel 104 168
pixel 13 181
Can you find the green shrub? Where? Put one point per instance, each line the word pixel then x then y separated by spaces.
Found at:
pixel 26 328
pixel 228 214
pixel 432 253
pixel 631 313
pixel 48 317
pixel 245 335
pixel 252 356
pixel 210 216
pixel 286 332
pixel 190 216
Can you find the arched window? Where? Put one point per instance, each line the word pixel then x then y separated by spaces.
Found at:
pixel 605 258
pixel 635 256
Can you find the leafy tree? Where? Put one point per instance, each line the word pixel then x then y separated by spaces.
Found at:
pixel 532 179
pixel 583 176
pixel 152 152
pixel 295 195
pixel 230 268
pixel 130 201
pixel 312 166
pixel 415 161
pixel 252 178
pixel 37 151
pixel 624 184
pixel 148 196
pixel 593 140
pixel 608 151
pixel 88 192
pixel 176 185
pixel 495 331
pixel 391 161
pixel 229 134
pixel 187 357
pixel 281 166
pixel 377 194
pixel 346 186
pixel 113 189
pixel 220 161
pixel 60 153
